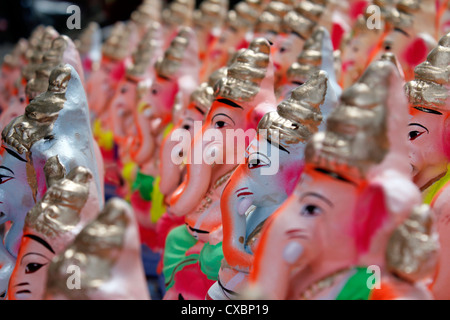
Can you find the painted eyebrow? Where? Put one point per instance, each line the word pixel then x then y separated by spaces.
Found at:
pixel 335 176
pixel 199 110
pixel 230 103
pixel 222 114
pixel 426 110
pixel 418 124
pixel 298 35
pixel 279 146
pixel 41 241
pixel 22 284
pixel 262 154
pixel 3 167
pixel 164 77
pixel 324 199
pixel 15 155
pixel 401 31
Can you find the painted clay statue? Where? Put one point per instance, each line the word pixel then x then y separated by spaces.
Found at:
pixel 173 173
pixel 354 192
pixel 208 21
pixel 125 101
pixel 100 88
pixel 176 73
pixel 62 50
pixel 50 227
pixel 53 123
pixel 107 253
pixel 16 105
pixel 195 112
pixel 429 106
pixel 196 246
pixel 178 13
pixel 235 35
pixel 43 42
pixel 273 165
pixel 89 46
pixel 407 36
pixel 317 54
pixel 148 12
pixel 10 72
pixel 39 43
pixel 299 25
pixel 103 82
pixel 361 43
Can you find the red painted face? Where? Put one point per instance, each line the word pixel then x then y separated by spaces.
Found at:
pixel 28 280
pixel 428 151
pixel 161 96
pixel 314 229
pixel 225 117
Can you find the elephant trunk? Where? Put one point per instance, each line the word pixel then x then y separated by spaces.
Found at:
pixel 198 178
pixel 270 276
pixel 235 201
pixel 170 171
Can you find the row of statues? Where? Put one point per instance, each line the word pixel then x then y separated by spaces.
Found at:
pixel 276 150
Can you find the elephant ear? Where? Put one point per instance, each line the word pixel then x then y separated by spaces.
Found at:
pixel 370 215
pixel 384 204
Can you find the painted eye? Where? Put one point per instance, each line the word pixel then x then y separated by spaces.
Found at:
pixel 220 124
pixel 257 161
pixel 154 92
pixel 311 210
pixel 186 127
pixel 22 99
pixel 4 179
pixel 283 49
pixel 413 135
pixel 33 267
pixel 123 90
pixel 387 48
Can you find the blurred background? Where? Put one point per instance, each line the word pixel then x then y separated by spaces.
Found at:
pixel 19 17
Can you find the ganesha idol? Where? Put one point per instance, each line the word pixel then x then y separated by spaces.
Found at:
pixel 106 255
pixel 125 101
pixel 355 191
pixel 235 35
pixel 10 72
pixel 360 44
pixel 53 123
pixel 193 251
pixel 147 13
pixel 317 54
pixel 62 50
pixel 273 165
pixel 173 173
pixel 89 46
pixel 429 107
pixel 16 105
pixel 409 33
pixel 103 82
pixel 40 41
pixel 51 53
pixel 50 227
pixel 13 103
pixel 208 21
pixel 176 74
pixel 287 28
pixel 178 13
